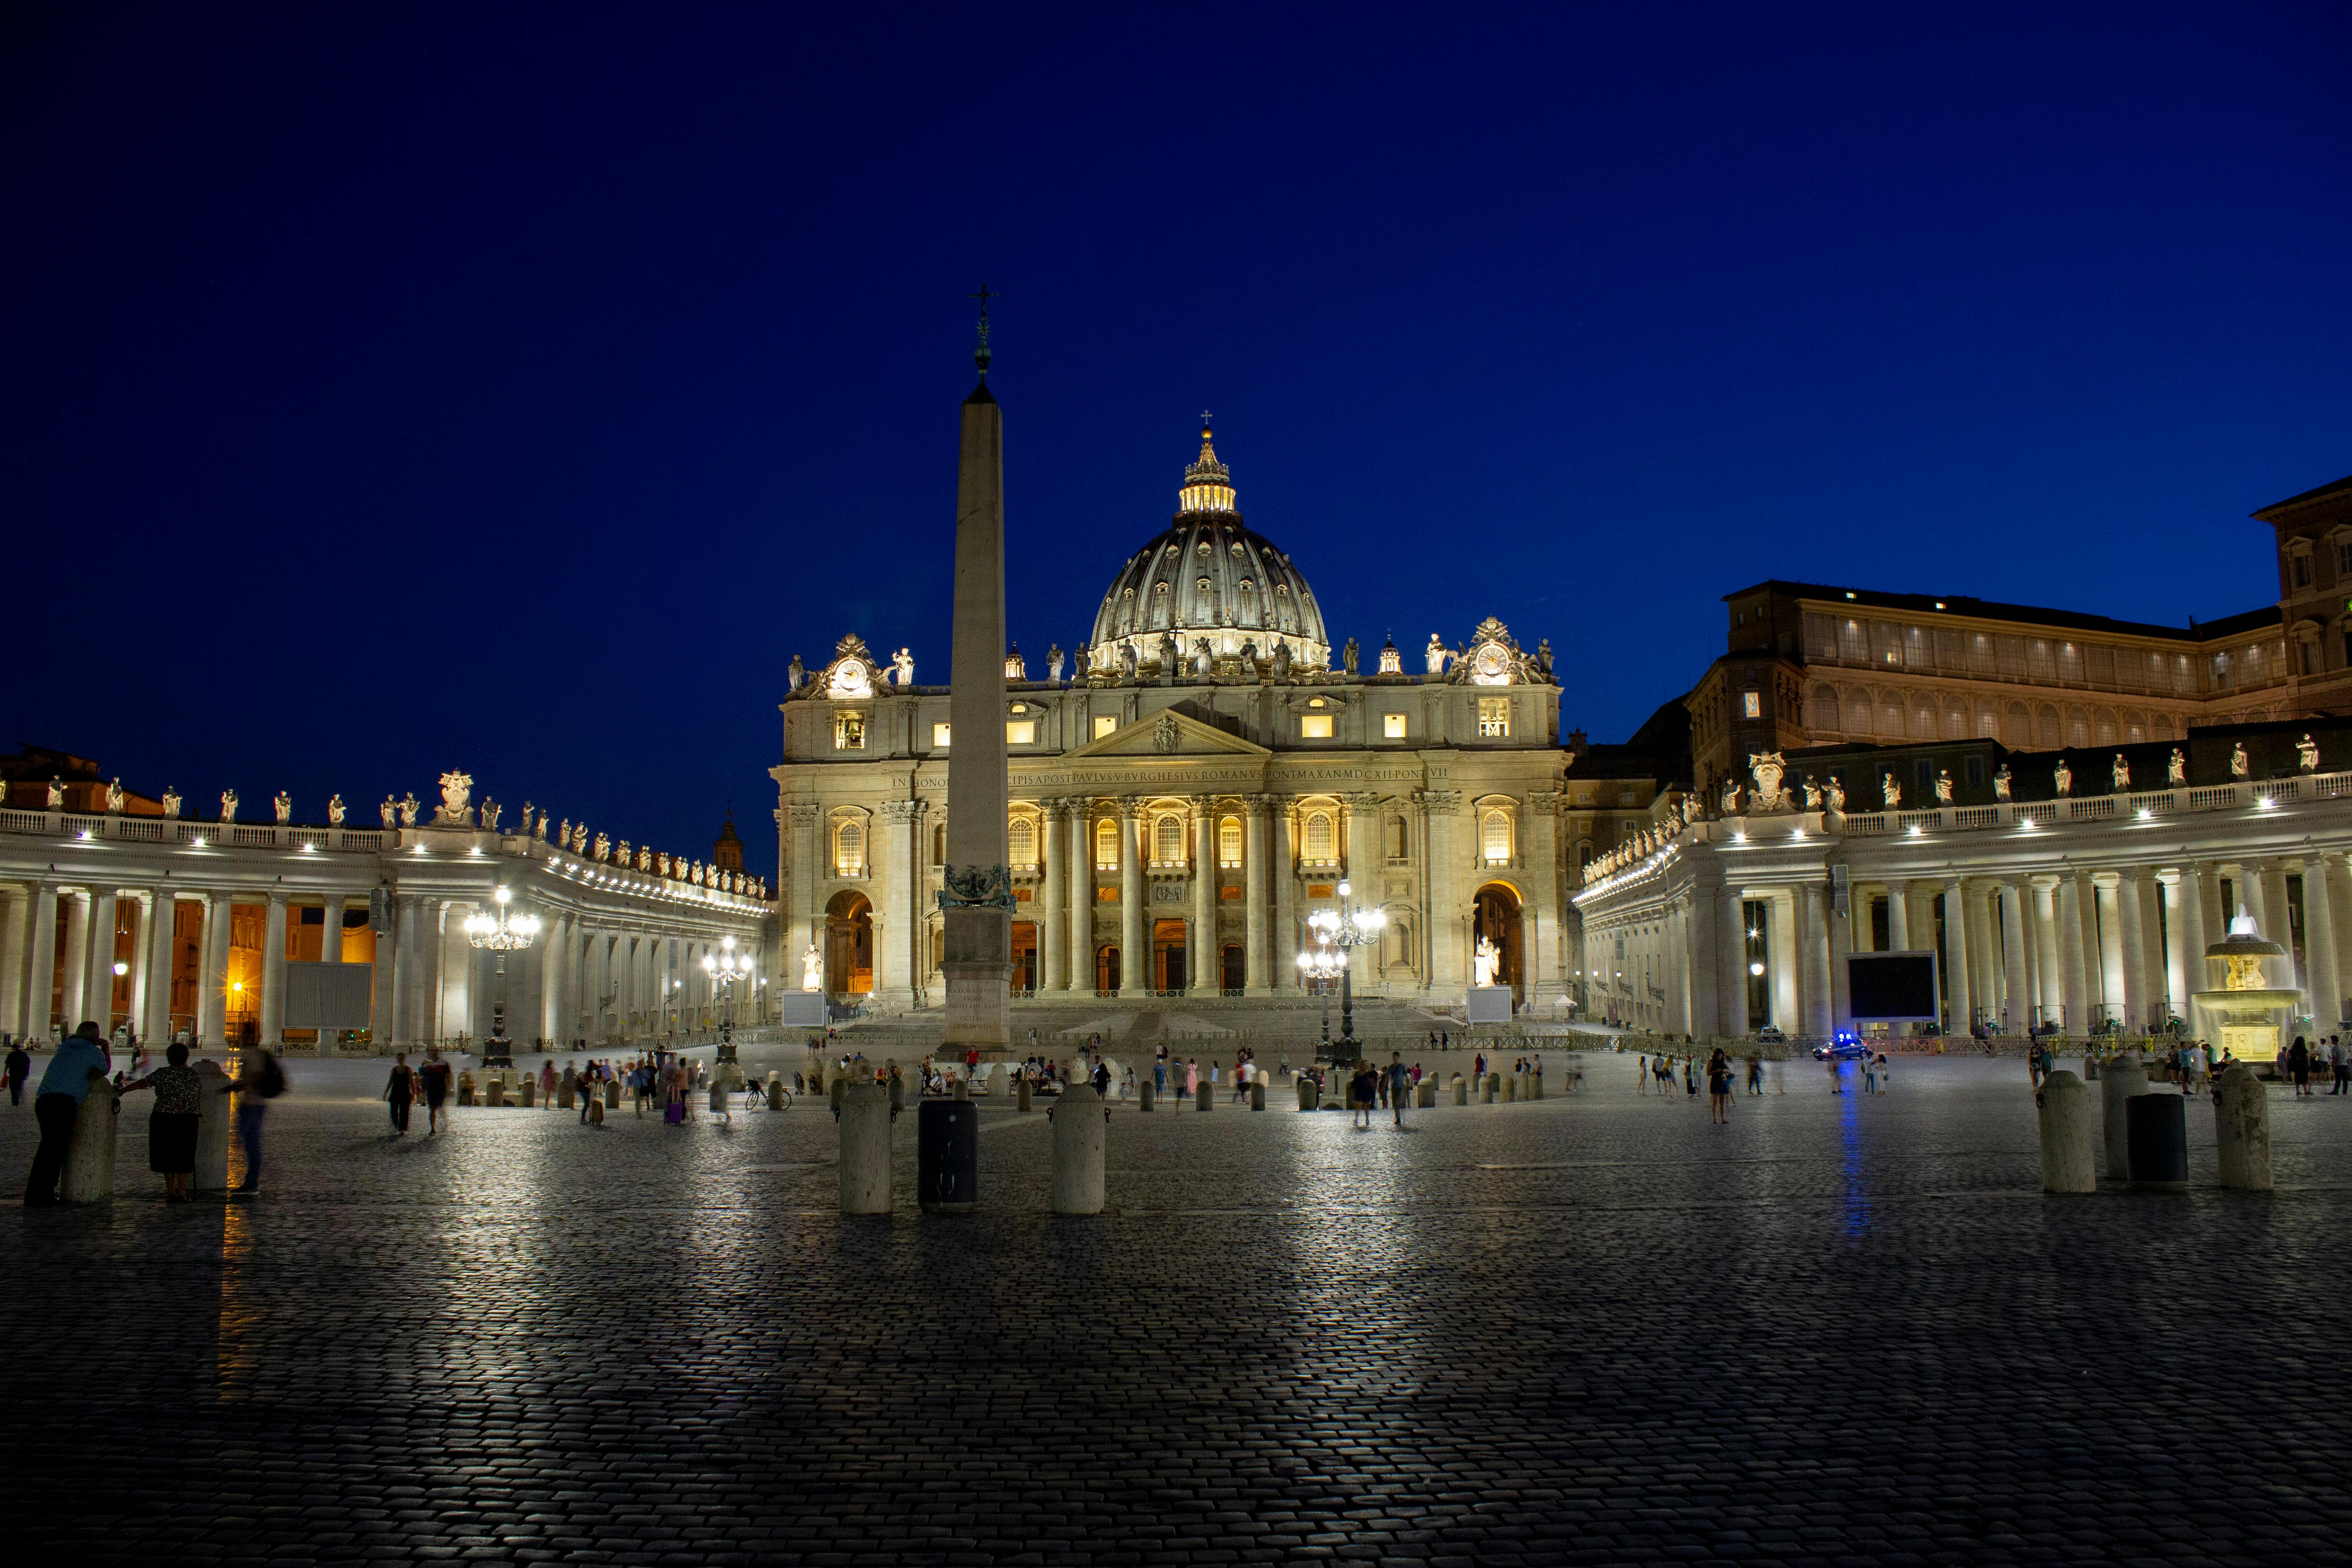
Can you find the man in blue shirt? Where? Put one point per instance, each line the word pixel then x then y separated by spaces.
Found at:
pixel 79 1063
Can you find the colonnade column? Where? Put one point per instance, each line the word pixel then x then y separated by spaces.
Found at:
pixel 2073 997
pixel 553 954
pixel 1787 962
pixel 41 960
pixel 1258 894
pixel 330 935
pixel 1053 929
pixel 75 976
pixel 1984 954
pixel 155 997
pixel 1841 943
pixel 2106 954
pixel 142 903
pixel 2016 979
pixel 1730 964
pixel 1207 966
pixel 1079 879
pixel 1955 957
pixel 2339 905
pixel 2279 926
pixel 407 935
pixel 1134 948
pixel 2130 914
pixel 1814 958
pixel 273 974
pixel 1898 917
pixel 97 985
pixel 2319 946
pixel 15 929
pixel 212 993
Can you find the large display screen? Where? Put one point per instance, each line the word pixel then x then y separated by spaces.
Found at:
pixel 1893 987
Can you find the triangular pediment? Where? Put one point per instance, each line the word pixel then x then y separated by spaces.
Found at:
pixel 1168 733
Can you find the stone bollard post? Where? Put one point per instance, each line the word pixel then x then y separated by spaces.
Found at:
pixel 216 1130
pixel 89 1163
pixel 837 1085
pixel 563 1094
pixel 2242 1129
pixel 775 1090
pixel 1494 1086
pixel 1079 1134
pixel 529 1091
pixel 1305 1092
pixel 864 1149
pixel 962 1088
pixel 1022 1092
pixel 898 1095
pixel 1511 1088
pixel 1257 1094
pixel 2120 1080
pixel 1207 1099
pixel 995 1080
pixel 497 1093
pixel 1146 1096
pixel 1426 1096
pixel 718 1096
pixel 612 1095
pixel 2069 1153
pixel 1461 1089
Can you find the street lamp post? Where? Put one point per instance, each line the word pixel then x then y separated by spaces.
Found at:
pixel 1346 928
pixel 725 967
pixel 500 934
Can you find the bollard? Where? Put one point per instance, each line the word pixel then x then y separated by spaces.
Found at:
pixel 1493 1087
pixel 947 1156
pixel 1535 1086
pixel 1511 1089
pixel 1427 1095
pixel 1079 1137
pixel 1022 1092
pixel 2120 1080
pixel 563 1093
pixel 776 1091
pixel 1461 1090
pixel 718 1095
pixel 837 1085
pixel 612 1095
pixel 995 1079
pixel 2242 1129
pixel 962 1088
pixel 1207 1099
pixel 89 1163
pixel 1146 1096
pixel 864 1149
pixel 2069 1156
pixel 529 1088
pixel 497 1094
pixel 1305 1092
pixel 898 1095
pixel 216 1130
pixel 2157 1137
pixel 1257 1094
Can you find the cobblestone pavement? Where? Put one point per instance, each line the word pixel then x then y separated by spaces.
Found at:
pixel 1841 1329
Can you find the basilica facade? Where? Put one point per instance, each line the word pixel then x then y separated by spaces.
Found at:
pixel 1207 776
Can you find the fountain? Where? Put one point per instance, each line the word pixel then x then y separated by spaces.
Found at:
pixel 2245 1011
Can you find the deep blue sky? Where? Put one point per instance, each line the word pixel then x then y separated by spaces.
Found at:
pixel 521 389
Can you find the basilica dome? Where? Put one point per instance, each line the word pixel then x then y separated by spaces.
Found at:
pixel 1208 579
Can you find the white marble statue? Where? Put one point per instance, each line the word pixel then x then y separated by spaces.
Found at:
pixel 563 835
pixel 902 668
pixel 409 806
pixel 57 793
pixel 579 839
pixel 1768 768
pixel 229 806
pixel 1813 794
pixel 1892 789
pixel 1943 786
pixel 2239 766
pixel 114 796
pixel 2307 750
pixel 603 845
pixel 1282 660
pixel 1836 792
pixel 812 969
pixel 524 821
pixel 625 855
pixel 335 811
pixel 2063 778
pixel 456 790
pixel 661 864
pixel 170 800
pixel 284 804
pixel 391 810
pixel 2001 782
pixel 542 826
pixel 2121 773
pixel 1483 961
pixel 1731 797
pixel 1435 654
pixel 1204 661
pixel 1126 661
pixel 2176 768
pixel 1053 659
pixel 491 811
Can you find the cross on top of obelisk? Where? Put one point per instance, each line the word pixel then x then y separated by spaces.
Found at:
pixel 979 356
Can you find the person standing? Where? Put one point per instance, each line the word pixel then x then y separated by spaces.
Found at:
pixel 254 1091
pixel 1159 1069
pixel 435 1078
pixel 1192 1084
pixel 1718 1087
pixel 2298 1068
pixel 172 1125
pixel 1361 1089
pixel 20 1068
pixel 399 1092
pixel 80 1064
pixel 1400 1086
pixel 2340 1066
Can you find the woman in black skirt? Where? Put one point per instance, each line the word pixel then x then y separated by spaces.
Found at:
pixel 172 1129
pixel 400 1093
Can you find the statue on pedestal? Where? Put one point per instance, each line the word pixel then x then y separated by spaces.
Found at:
pixel 114 797
pixel 229 806
pixel 542 825
pixel 57 793
pixel 1731 797
pixel 1282 660
pixel 2121 773
pixel 335 811
pixel 390 809
pixel 285 807
pixel 603 845
pixel 2002 782
pixel 1054 656
pixel 409 807
pixel 170 800
pixel 1350 658
pixel 1483 960
pixel 1943 786
pixel 797 676
pixel 1126 661
pixel 2176 768
pixel 1836 793
pixel 1543 657
pixel 2239 766
pixel 1435 652
pixel 490 810
pixel 1168 656
pixel 2307 750
pixel 902 668
pixel 2063 778
pixel 1891 789
pixel 1813 794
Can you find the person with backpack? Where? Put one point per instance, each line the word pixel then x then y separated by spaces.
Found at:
pixel 255 1090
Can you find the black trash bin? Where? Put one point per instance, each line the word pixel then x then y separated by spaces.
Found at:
pixel 947 1155
pixel 2156 1140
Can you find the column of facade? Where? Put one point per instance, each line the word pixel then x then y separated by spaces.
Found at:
pixel 1898 917
pixel 212 987
pixel 1813 957
pixel 1364 862
pixel 2325 987
pixel 1258 894
pixel 1283 870
pixel 1786 961
pixel 1207 960
pixel 2016 977
pixel 1053 929
pixel 1955 957
pixel 1542 859
pixel 1079 926
pixel 2339 895
pixel 330 935
pixel 1841 943
pixel 2106 954
pixel 2199 902
pixel 402 1024
pixel 98 960
pixel 2073 892
pixel 1134 946
pixel 142 922
pixel 16 934
pixel 155 995
pixel 2278 924
pixel 1701 965
pixel 41 959
pixel 75 976
pixel 273 974
pixel 2131 934
pixel 1730 964
pixel 807 922
pixel 1449 901
pixel 1984 954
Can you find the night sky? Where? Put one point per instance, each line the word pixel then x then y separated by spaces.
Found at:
pixel 390 389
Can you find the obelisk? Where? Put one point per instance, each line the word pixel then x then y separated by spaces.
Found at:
pixel 976 902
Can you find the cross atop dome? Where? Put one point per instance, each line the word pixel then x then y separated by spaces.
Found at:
pixel 1208 486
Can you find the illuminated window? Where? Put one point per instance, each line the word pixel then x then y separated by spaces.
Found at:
pixel 1495 838
pixel 1021 732
pixel 1020 841
pixel 1319 849
pixel 1494 716
pixel 1104 724
pixel 2343 559
pixel 939 736
pixel 1229 842
pixel 1168 841
pixel 849 850
pixel 1315 726
pixel 1105 845
pixel 849 731
pixel 1751 704
pixel 1392 726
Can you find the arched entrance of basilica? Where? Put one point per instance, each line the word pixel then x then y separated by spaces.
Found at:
pixel 1168 956
pixel 1495 915
pixel 848 943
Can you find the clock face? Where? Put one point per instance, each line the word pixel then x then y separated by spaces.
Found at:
pixel 1488 662
pixel 851 678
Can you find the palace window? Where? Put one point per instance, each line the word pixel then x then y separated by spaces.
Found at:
pixel 1853 645
pixel 1495 838
pixel 849 850
pixel 1229 842
pixel 1168 841
pixel 1020 841
pixel 2343 559
pixel 939 737
pixel 1104 724
pixel 1315 726
pixel 849 731
pixel 1021 732
pixel 1105 845
pixel 1751 705
pixel 1399 846
pixel 1494 716
pixel 1392 726
pixel 2299 569
pixel 1319 849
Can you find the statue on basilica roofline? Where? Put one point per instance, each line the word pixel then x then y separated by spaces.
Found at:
pixel 1127 666
pixel 1436 654
pixel 797 676
pixel 1204 661
pixel 902 668
pixel 1282 660
pixel 1053 658
pixel 2238 765
pixel 1168 657
pixel 490 809
pixel 409 807
pixel 2002 782
pixel 1350 658
pixel 335 811
pixel 1543 658
pixel 2064 777
pixel 1890 789
pixel 229 806
pixel 389 810
pixel 2307 751
pixel 2121 773
pixel 285 807
pixel 170 800
pixel 114 796
pixel 2176 768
